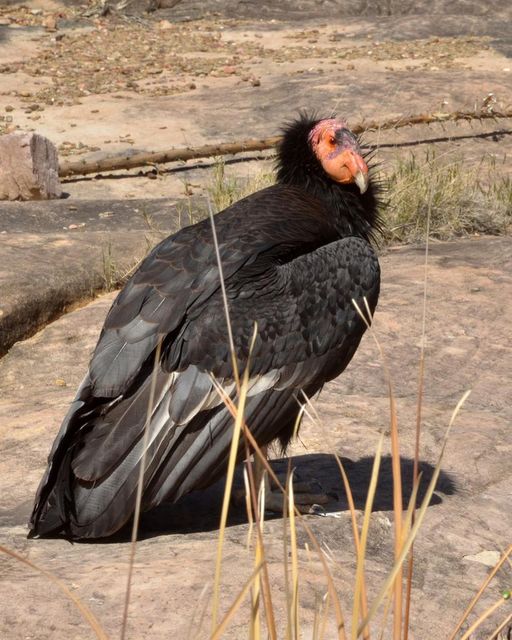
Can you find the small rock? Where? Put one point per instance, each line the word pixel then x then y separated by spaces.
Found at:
pixel 50 23
pixel 487 558
pixel 9 108
pixel 255 82
pixel 192 85
pixel 29 168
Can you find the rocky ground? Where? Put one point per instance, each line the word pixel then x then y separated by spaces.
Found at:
pixel 220 71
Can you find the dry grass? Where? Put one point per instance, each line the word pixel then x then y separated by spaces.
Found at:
pixel 225 189
pixel 466 199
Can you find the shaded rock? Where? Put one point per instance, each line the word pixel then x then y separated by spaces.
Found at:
pixel 55 254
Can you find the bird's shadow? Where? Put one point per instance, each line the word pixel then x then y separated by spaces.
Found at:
pixel 200 511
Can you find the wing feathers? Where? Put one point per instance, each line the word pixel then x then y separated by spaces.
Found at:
pixel 308 330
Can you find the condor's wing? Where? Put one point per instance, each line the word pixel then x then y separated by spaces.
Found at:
pixel 307 331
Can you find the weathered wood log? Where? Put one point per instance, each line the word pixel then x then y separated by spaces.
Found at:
pixel 29 168
pixel 114 163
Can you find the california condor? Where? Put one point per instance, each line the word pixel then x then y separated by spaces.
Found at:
pixel 294 255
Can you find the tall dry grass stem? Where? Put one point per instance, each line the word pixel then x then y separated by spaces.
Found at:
pixel 483 617
pixel 340 623
pixel 239 413
pixel 396 472
pixel 140 488
pixel 419 406
pixel 500 628
pixel 224 296
pixel 364 538
pixel 314 417
pixel 293 615
pixel 219 630
pixel 421 514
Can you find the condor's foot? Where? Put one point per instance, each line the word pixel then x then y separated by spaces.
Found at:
pixel 308 497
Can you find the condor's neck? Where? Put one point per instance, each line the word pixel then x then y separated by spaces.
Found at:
pixel 354 214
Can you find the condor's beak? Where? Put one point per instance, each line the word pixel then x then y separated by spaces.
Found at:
pixel 361 179
pixel 353 169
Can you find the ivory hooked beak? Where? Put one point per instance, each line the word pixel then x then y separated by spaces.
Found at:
pixel 361 179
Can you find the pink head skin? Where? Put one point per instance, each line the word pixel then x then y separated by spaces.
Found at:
pixel 339 153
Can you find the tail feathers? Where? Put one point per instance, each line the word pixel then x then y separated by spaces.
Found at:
pixel 94 496
pixel 82 508
pixel 53 501
pixel 90 486
pixel 50 516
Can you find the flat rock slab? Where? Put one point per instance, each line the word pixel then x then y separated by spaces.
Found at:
pixel 468 521
pixel 55 254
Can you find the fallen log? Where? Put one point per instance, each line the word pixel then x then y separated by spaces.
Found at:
pixel 131 161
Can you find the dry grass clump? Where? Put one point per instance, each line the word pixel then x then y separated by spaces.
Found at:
pixel 225 189
pixel 464 199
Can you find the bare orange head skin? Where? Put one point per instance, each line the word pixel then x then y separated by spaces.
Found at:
pixel 339 153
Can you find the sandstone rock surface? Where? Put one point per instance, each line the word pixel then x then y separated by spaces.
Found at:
pixel 468 346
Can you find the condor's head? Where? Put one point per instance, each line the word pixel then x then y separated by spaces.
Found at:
pixel 323 157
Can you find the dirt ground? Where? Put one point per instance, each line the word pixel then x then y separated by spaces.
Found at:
pixel 201 72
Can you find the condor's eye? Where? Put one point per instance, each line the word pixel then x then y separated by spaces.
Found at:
pixel 332 141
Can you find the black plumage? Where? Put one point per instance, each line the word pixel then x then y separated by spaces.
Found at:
pixel 294 256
